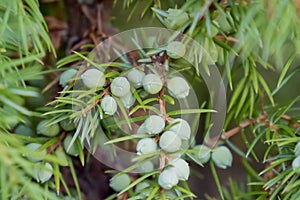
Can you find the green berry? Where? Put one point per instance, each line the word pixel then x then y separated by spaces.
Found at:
pixel 181 128
pixel 119 182
pixel 168 179
pixel 203 154
pixel 297 149
pixel 178 87
pixel 93 78
pixel 185 144
pixel 154 124
pixel 142 129
pixel 67 125
pixel 181 168
pixel 109 105
pixel 141 186
pixel 152 83
pixel 120 86
pixel 174 156
pixel 73 150
pixel 176 18
pixel 66 76
pixel 296 164
pixel 176 49
pixel 136 78
pixel 47 130
pixel 11 114
pixel 169 141
pixel 145 167
pixel 22 129
pixel 42 172
pixel 222 157
pixel 143 94
pixel 146 145
pixel 128 100
pixel 34 147
pixel 170 194
pixel 61 156
pixel 140 190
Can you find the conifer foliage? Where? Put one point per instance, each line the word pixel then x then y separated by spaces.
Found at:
pixel 57 108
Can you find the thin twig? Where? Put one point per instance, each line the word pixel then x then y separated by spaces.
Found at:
pixel 56 144
pixel 93 38
pixel 99 20
pixel 162 106
pixel 162 161
pixel 49 85
pixel 161 101
pixel 80 44
pixel 86 12
pixel 88 108
pixel 260 120
pixel 201 13
pixel 291 122
pixel 236 130
pixel 230 39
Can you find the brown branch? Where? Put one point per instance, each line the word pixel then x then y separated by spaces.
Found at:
pixel 49 85
pixel 51 148
pixel 244 124
pixel 236 130
pixel 204 8
pixel 162 103
pixel 162 161
pixel 260 120
pixel 94 38
pixel 123 196
pixel 89 16
pixel 262 101
pixel 230 39
pixel 291 122
pixel 99 20
pixel 79 44
pixel 88 108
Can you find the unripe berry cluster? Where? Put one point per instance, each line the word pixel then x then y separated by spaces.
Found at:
pixel 178 169
pixel 42 171
pixel 170 141
pixel 123 87
pixel 159 135
pixel 220 155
